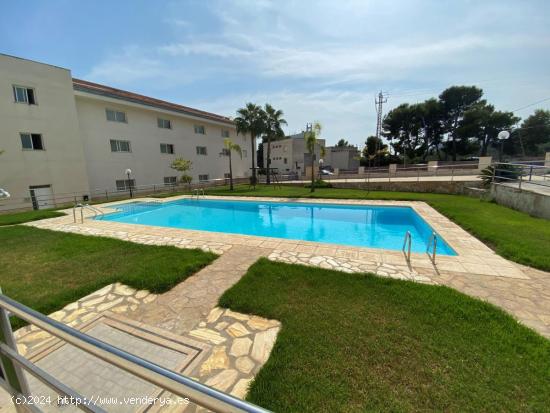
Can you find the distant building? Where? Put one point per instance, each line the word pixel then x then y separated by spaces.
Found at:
pixel 290 155
pixel 342 157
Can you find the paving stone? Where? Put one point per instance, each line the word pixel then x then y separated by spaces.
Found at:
pixel 241 388
pixel 109 304
pixel 207 334
pixel 237 330
pixel 263 343
pixel 217 360
pixel 244 364
pixel 223 380
pixel 240 347
pixel 214 315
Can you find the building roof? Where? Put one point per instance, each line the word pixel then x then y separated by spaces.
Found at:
pixel 108 91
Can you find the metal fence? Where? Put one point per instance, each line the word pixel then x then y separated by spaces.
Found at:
pixel 98 195
pixel 13 365
pixel 521 175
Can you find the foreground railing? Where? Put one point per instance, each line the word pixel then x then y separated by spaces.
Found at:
pixel 15 383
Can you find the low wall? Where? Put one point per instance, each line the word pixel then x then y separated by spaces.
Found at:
pixel 532 203
pixel 439 187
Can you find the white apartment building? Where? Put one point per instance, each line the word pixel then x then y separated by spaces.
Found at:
pixel 63 137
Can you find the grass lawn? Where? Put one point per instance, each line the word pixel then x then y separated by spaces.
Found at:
pixel 47 270
pixel 512 234
pixel 26 216
pixel 356 343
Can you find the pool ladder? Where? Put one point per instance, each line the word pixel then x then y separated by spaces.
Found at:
pixel 97 212
pixel 432 241
pixel 432 244
pixel 407 242
pixel 198 192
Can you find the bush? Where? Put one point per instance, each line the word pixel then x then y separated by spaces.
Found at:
pixel 319 183
pixel 503 173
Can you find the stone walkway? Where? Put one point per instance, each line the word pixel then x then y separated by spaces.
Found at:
pixel 182 308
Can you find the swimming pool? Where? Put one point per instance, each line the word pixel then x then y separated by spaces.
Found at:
pixel 355 225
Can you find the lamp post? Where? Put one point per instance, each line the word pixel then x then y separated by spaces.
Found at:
pixel 321 161
pixel 502 136
pixel 128 173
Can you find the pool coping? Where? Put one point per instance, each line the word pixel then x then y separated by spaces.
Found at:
pixel 473 256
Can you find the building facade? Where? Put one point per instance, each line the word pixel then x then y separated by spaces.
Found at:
pixel 63 137
pixel 290 155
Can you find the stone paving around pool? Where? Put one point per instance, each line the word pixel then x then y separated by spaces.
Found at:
pixel 476 270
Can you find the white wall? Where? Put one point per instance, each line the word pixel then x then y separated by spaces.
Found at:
pixel 61 164
pixel 148 164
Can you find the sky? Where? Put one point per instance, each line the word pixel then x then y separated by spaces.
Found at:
pixel 316 60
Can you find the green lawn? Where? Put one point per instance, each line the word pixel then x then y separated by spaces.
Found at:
pixel 356 343
pixel 512 234
pixel 26 216
pixel 47 270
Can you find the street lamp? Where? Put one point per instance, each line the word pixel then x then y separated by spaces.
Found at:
pixel 128 173
pixel 321 162
pixel 502 136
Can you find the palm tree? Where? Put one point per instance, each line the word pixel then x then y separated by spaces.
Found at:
pixel 311 137
pixel 273 123
pixel 251 119
pixel 229 146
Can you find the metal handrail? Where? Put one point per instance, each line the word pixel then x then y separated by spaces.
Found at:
pixel 175 383
pixel 407 241
pixel 432 241
pixel 95 210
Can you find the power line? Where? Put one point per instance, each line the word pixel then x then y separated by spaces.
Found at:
pixel 531 104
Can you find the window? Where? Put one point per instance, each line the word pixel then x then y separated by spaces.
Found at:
pixel 226 152
pixel 32 141
pixel 226 175
pixel 166 148
pixel 115 116
pixel 164 123
pixel 203 178
pixel 125 184
pixel 200 129
pixel 120 146
pixel 285 161
pixel 23 94
pixel 170 180
pixel 225 133
pixel 201 150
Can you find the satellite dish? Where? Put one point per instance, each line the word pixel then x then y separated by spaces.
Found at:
pixel 503 135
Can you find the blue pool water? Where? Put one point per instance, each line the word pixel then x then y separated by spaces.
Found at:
pixel 361 226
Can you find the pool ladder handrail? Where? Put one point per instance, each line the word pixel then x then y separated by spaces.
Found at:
pixel 432 241
pixel 97 212
pixel 407 242
pixel 198 191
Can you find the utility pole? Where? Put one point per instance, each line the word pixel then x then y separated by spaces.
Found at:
pixel 378 102
pixel 309 127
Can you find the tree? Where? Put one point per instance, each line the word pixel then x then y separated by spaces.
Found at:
pixel 182 165
pixel 342 143
pixel 273 129
pixel 456 100
pixel 251 119
pixel 431 117
pixel 533 134
pixel 483 123
pixel 229 147
pixel 374 147
pixel 311 137
pixel 402 126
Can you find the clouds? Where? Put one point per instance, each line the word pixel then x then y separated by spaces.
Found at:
pixel 326 60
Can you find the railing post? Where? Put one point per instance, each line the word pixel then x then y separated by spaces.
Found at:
pixel 452 173
pixel 11 372
pixel 520 179
pixel 530 173
pixel 417 174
